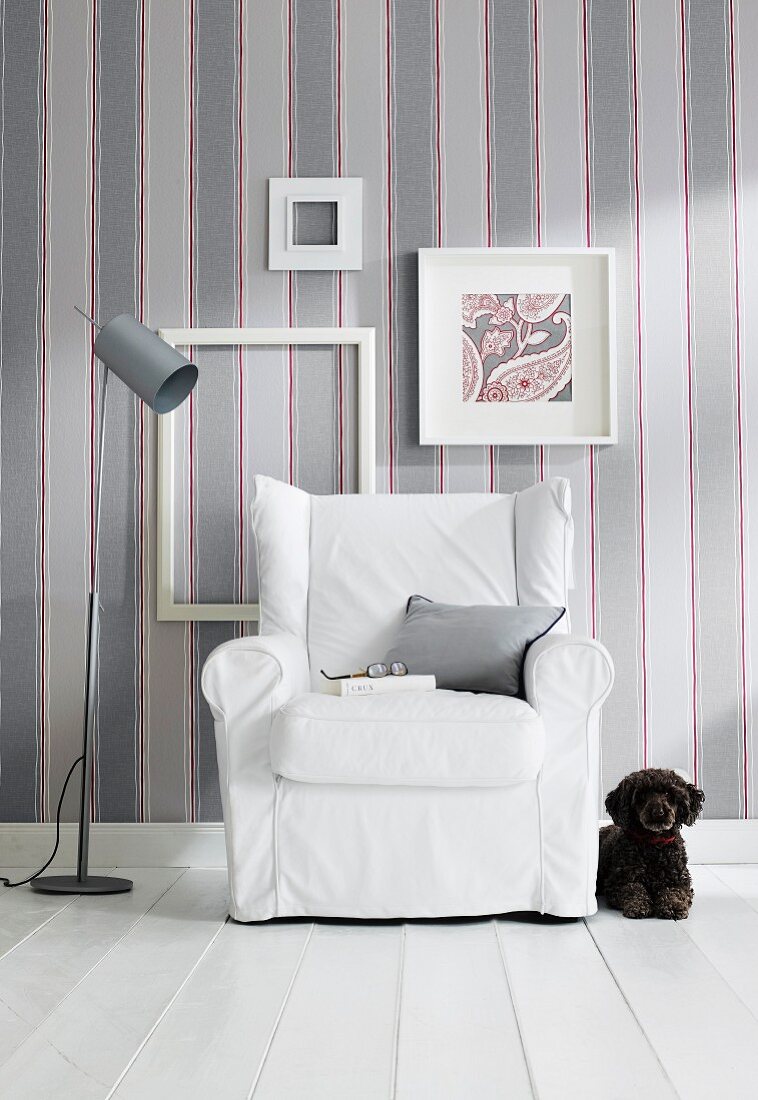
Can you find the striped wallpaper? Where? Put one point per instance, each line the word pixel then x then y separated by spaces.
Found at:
pixel 136 138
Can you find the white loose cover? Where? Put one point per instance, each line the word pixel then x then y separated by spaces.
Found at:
pixel 433 805
pixel 422 739
pixel 367 554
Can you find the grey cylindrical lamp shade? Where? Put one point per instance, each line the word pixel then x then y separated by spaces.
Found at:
pixel 149 366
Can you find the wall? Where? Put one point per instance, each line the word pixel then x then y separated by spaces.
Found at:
pixel 137 136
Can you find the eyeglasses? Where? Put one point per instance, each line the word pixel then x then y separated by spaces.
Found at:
pixel 374 672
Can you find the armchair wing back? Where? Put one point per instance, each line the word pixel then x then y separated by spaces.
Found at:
pixel 336 571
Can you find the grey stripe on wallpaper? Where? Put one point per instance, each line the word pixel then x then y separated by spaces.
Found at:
pixel 116 257
pixel 512 159
pixel 412 214
pixel 137 140
pixel 613 218
pixel 717 733
pixel 312 135
pixel 24 743
pixel 214 165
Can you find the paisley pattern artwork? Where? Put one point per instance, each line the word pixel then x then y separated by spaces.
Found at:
pixel 516 347
pixel 472 368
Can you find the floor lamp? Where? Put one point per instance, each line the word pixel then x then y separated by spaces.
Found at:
pixel 162 378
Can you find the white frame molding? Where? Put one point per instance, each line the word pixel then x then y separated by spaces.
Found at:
pixel 346 192
pixel 363 339
pixel 430 262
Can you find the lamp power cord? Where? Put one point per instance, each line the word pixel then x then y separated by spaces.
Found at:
pixel 7 882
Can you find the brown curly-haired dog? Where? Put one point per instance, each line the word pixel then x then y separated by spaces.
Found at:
pixel 642 868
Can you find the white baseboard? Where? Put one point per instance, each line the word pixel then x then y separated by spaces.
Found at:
pixel 123 845
pixel 180 845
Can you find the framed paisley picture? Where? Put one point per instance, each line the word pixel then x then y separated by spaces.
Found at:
pixel 517 345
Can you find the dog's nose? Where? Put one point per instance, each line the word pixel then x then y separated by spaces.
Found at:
pixel 659 812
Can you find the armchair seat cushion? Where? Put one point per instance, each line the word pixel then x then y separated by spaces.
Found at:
pixel 425 739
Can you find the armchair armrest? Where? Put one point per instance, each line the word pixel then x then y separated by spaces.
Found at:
pixel 566 675
pixel 567 679
pixel 245 682
pixel 242 672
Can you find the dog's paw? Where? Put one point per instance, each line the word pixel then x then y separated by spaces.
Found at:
pixel 671 912
pixel 634 901
pixel 637 910
pixel 673 904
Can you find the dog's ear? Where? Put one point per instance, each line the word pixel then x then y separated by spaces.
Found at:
pixel 691 805
pixel 619 802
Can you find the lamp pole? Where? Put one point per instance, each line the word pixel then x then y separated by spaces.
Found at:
pixel 93 651
pixel 82 882
pixel 162 378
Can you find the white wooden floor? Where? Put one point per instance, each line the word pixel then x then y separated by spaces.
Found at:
pixel 157 994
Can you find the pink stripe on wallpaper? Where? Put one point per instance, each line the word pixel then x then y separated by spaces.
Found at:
pixel 191 626
pixel 241 299
pixel 537 137
pixel 640 382
pixel 738 386
pixel 389 121
pixel 537 167
pixel 438 173
pixel 744 67
pixel 588 242
pixel 437 77
pixel 488 224
pixel 339 74
pixel 44 763
pixel 141 418
pixel 290 277
pixel 93 311
pixel 487 125
pixel 690 393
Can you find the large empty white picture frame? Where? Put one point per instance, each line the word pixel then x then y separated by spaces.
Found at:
pixel 362 339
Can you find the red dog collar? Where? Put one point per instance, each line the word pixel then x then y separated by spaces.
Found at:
pixel 654 838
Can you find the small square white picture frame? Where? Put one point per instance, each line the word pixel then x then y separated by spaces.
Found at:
pixel 346 192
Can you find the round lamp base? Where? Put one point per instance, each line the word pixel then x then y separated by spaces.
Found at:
pixel 70 884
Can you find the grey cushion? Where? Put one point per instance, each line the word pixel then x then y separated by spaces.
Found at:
pixel 477 648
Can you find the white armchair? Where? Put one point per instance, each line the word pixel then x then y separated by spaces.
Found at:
pixel 416 804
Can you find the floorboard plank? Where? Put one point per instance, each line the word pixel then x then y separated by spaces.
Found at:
pixel 743 879
pixel 581 1039
pixel 335 1040
pixel 46 967
pixel 725 928
pixel 23 911
pixel 122 997
pixel 212 1039
pixel 458 1033
pixel 704 1035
